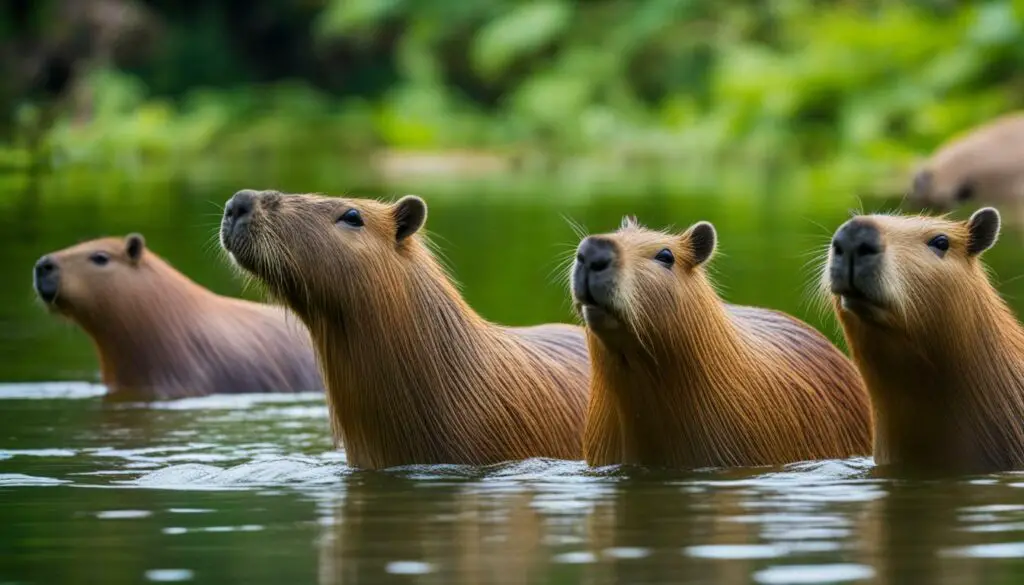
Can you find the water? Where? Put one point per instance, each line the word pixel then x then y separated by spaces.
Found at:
pixel 250 489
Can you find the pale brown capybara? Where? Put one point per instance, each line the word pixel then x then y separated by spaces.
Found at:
pixel 984 165
pixel 941 353
pixel 681 379
pixel 413 374
pixel 161 336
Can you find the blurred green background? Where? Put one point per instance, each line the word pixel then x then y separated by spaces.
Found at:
pixel 511 118
pixel 837 94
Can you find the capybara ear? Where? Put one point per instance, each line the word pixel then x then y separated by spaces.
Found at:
pixel 410 214
pixel 134 245
pixel 702 239
pixel 984 230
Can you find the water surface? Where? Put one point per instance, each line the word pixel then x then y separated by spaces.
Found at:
pixel 250 489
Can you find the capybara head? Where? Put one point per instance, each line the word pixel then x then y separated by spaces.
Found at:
pixel 328 253
pixel 942 188
pixel 908 273
pixel 983 164
pixel 633 281
pixel 87 280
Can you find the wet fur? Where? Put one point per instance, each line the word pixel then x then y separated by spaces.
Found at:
pixel 689 381
pixel 945 366
pixel 414 375
pixel 161 336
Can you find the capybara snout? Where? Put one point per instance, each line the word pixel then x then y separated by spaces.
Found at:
pixel 855 258
pixel 593 275
pixel 46 278
pixel 240 205
pixel 237 214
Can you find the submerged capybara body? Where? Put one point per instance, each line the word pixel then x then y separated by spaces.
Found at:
pixel 984 165
pixel 681 379
pixel 941 353
pixel 161 336
pixel 414 375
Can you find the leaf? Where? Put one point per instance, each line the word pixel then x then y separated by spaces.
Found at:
pixel 524 29
pixel 996 24
pixel 347 16
pixel 553 98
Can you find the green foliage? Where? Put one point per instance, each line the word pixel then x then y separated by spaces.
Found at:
pixel 849 90
pixel 521 30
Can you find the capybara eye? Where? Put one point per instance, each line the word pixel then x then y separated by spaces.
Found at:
pixel 940 244
pixel 352 218
pixel 666 257
pixel 99 258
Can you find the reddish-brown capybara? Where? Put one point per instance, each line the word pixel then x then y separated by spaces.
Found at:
pixel 159 335
pixel 414 375
pixel 681 379
pixel 941 353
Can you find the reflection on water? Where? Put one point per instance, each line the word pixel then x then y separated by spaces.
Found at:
pixel 250 489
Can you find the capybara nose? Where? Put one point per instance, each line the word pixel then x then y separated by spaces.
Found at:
pixel 44 266
pixel 857 240
pixel 240 205
pixel 856 255
pixel 595 254
pixel 45 278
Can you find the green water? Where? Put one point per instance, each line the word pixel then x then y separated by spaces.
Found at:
pixel 249 489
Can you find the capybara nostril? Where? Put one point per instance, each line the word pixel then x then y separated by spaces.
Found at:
pixel 595 254
pixel 866 249
pixel 240 204
pixel 859 238
pixel 44 266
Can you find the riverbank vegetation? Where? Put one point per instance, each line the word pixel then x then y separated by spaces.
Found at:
pixel 834 95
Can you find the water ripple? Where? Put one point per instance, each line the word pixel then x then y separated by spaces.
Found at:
pixel 51 390
pixel 270 472
pixel 22 480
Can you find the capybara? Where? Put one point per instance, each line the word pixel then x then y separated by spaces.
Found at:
pixel 161 336
pixel 413 374
pixel 681 379
pixel 941 353
pixel 984 165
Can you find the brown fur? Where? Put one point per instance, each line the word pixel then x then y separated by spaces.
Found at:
pixel 161 336
pixel 941 353
pixel 414 375
pixel 985 165
pixel 681 379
